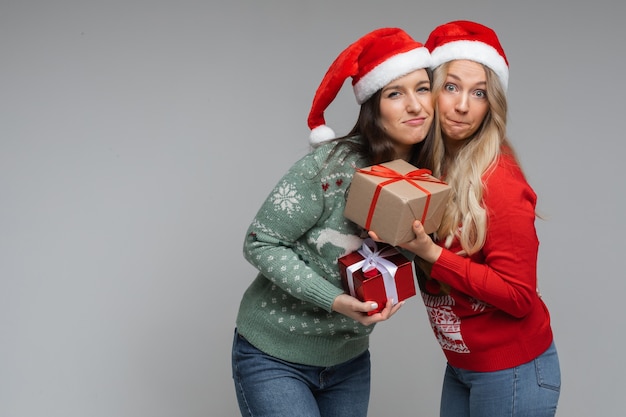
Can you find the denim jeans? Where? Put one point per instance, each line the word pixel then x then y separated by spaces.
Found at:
pixel 528 390
pixel 270 387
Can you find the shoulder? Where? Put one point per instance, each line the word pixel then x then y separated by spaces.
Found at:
pixel 504 168
pixel 334 156
pixel 505 181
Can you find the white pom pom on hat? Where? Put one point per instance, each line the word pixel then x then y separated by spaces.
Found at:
pixel 372 62
pixel 321 134
pixel 463 39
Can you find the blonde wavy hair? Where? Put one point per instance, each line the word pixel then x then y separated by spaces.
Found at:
pixel 465 171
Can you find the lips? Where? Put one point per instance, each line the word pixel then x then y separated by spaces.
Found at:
pixel 416 122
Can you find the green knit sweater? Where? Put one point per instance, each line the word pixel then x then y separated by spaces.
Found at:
pixel 294 241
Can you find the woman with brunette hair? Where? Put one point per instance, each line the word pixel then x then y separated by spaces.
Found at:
pixel 301 344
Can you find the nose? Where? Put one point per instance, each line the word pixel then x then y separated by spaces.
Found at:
pixel 413 104
pixel 462 104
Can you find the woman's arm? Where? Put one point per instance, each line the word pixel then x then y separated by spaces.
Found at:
pixel 503 273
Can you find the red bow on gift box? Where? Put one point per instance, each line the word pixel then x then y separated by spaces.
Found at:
pixel 421 174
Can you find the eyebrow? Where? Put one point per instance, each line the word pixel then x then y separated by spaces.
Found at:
pixel 456 77
pixel 399 86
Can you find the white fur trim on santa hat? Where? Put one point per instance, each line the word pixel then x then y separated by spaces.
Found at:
pixel 320 135
pixel 474 51
pixel 391 69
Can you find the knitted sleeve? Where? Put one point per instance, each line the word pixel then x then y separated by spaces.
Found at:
pixel 504 273
pixel 276 240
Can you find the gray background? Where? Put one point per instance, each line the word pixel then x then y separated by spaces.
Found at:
pixel 138 138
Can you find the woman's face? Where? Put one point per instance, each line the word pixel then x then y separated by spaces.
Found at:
pixel 462 102
pixel 406 110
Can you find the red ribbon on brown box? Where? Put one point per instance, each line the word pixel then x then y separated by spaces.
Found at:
pixel 421 174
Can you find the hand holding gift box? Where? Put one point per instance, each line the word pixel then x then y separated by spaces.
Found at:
pixel 388 197
pixel 377 272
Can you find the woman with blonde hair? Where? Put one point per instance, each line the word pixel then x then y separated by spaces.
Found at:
pixel 480 268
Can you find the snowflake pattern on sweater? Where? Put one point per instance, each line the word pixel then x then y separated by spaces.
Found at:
pixel 286 199
pixel 294 241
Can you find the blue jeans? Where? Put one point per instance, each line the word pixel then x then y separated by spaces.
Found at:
pixel 267 386
pixel 528 390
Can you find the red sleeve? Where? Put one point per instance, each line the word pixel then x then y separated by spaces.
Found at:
pixel 504 272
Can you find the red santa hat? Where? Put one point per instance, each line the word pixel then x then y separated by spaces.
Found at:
pixel 373 61
pixel 463 39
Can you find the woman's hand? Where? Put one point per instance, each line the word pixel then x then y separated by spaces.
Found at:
pixel 351 307
pixel 423 246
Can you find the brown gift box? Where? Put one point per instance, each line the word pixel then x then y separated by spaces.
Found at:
pixel 387 198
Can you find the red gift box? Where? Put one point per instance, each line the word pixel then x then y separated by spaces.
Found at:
pixel 377 272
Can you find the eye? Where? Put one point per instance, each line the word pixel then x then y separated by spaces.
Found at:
pixel 423 89
pixel 480 93
pixel 392 94
pixel 450 87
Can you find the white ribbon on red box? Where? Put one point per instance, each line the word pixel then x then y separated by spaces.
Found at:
pixel 375 258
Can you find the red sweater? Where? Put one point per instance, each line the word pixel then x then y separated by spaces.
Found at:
pixel 493 318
